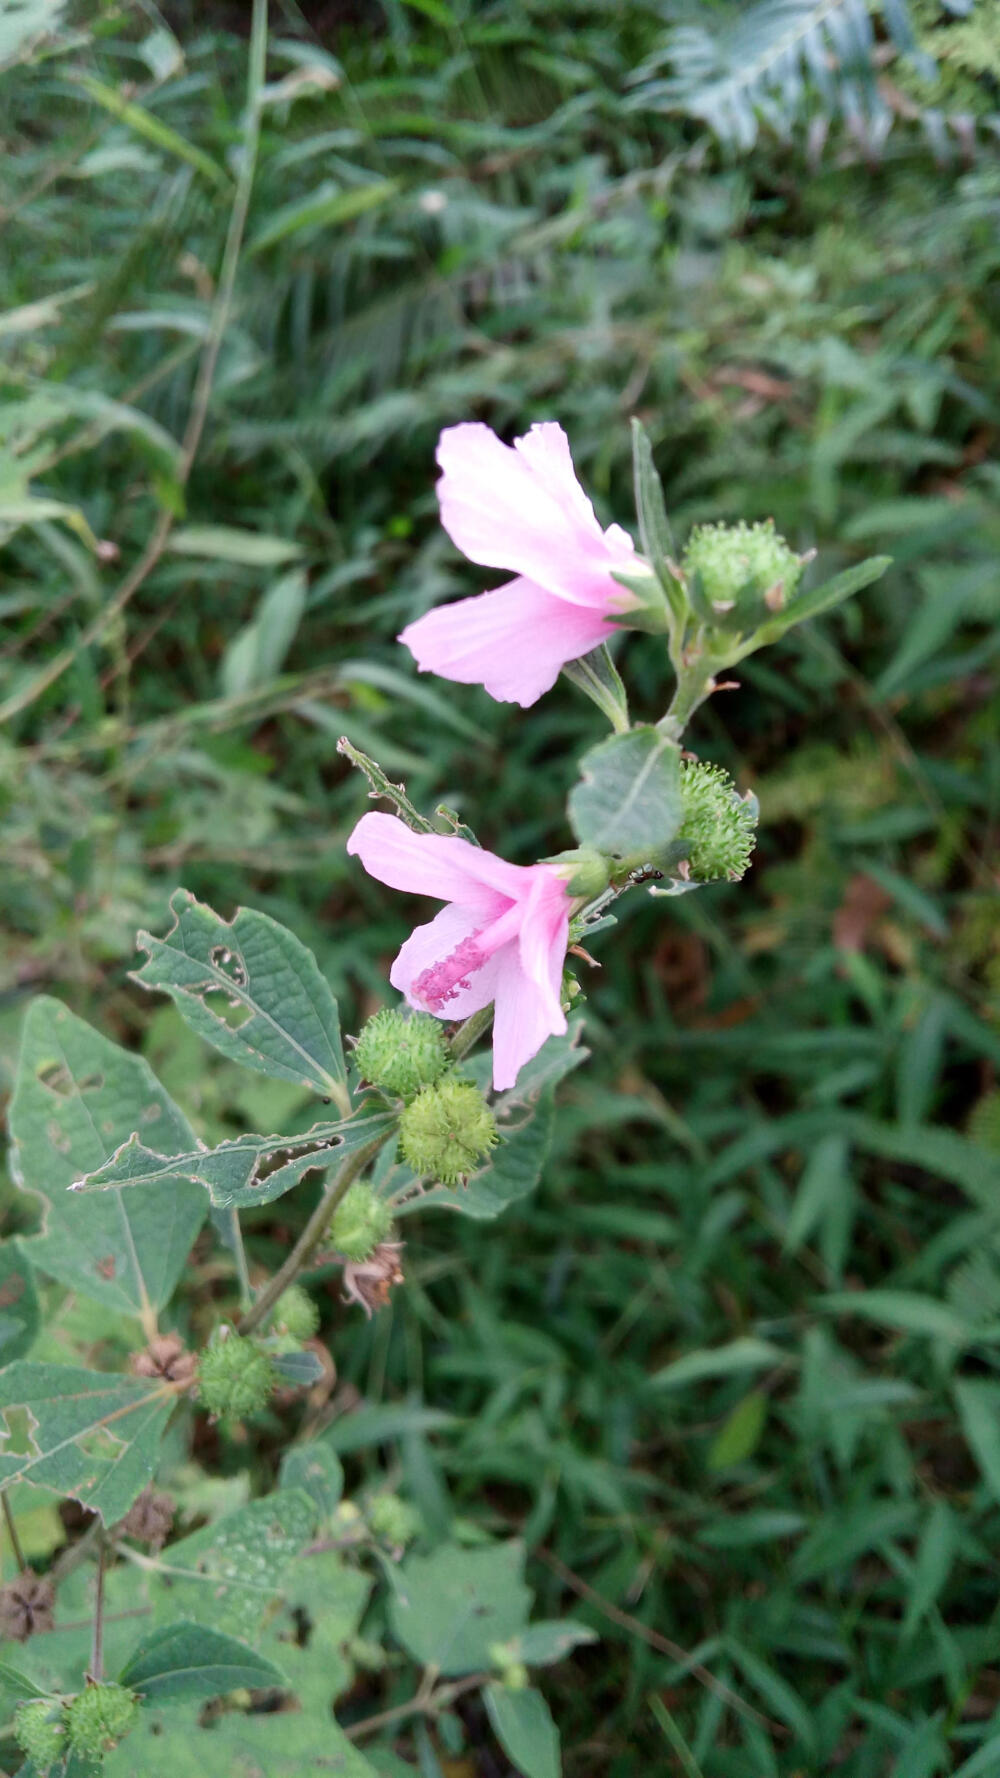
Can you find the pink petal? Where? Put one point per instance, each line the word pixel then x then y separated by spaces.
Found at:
pixel 431 944
pixel 438 864
pixel 545 449
pixel 502 514
pixel 512 641
pixel 543 939
pixel 524 1018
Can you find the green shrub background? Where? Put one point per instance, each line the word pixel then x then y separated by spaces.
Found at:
pixel 733 1372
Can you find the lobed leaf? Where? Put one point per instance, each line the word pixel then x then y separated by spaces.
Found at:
pixel 290 1027
pixel 88 1434
pixel 234 1174
pixel 77 1098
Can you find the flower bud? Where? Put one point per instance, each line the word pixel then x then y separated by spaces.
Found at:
pixel 447 1131
pixel 98 1718
pixel 393 1520
pixel 513 1673
pixel 584 871
pixel 295 1314
pixel 360 1222
pixel 717 832
pixel 746 568
pixel 402 1053
pixel 39 1732
pixel 236 1377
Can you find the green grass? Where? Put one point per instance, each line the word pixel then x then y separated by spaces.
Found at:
pixel 734 1372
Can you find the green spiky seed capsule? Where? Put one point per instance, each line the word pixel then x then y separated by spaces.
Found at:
pixel 360 1222
pixel 719 825
pixel 236 1377
pixel 752 560
pixel 393 1520
pixel 295 1313
pixel 98 1718
pixel 39 1732
pixel 447 1131
pixel 402 1053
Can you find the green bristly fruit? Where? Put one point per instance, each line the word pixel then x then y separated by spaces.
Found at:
pixel 360 1221
pixel 402 1053
pixel 719 825
pixel 448 1131
pixel 99 1718
pixel 236 1377
pixel 742 566
pixel 39 1732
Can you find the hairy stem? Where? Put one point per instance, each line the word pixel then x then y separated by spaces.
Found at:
pixel 694 684
pixel 97 1646
pixel 469 1033
pixel 311 1235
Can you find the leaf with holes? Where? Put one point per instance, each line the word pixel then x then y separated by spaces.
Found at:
pixel 77 1098
pixel 285 1021
pixel 247 1170
pixel 89 1434
pixel 628 801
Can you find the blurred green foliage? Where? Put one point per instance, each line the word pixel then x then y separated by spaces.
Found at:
pixel 734 1373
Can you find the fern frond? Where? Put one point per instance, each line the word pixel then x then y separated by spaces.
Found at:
pixel 771 61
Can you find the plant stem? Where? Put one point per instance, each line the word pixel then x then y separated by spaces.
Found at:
pixel 97 1647
pixel 694 684
pixel 470 1032
pixel 423 1703
pixel 15 1541
pixel 34 688
pixel 240 1257
pixel 311 1235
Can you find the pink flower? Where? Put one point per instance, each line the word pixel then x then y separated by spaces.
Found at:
pixel 521 508
pixel 502 936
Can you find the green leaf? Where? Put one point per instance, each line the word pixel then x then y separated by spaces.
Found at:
pixel 77 1098
pixel 549 1640
pixel 192 1660
pixel 979 1412
pixel 317 1469
pixel 15 1686
pixel 367 1426
pixel 932 1565
pixel 449 1608
pixel 522 1723
pixel 236 1174
pixel 88 1434
pixel 818 599
pixel 906 1310
pixel 325 207
pixel 596 675
pixel 299 1370
pixel 227 1574
pixel 744 1354
pixel 153 129
pixel 227 543
pixel 19 1313
pixel 25 24
pixel 740 1433
pixel 776 1693
pixel 257 654
pixel 289 1026
pixel 823 1182
pixel 628 801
